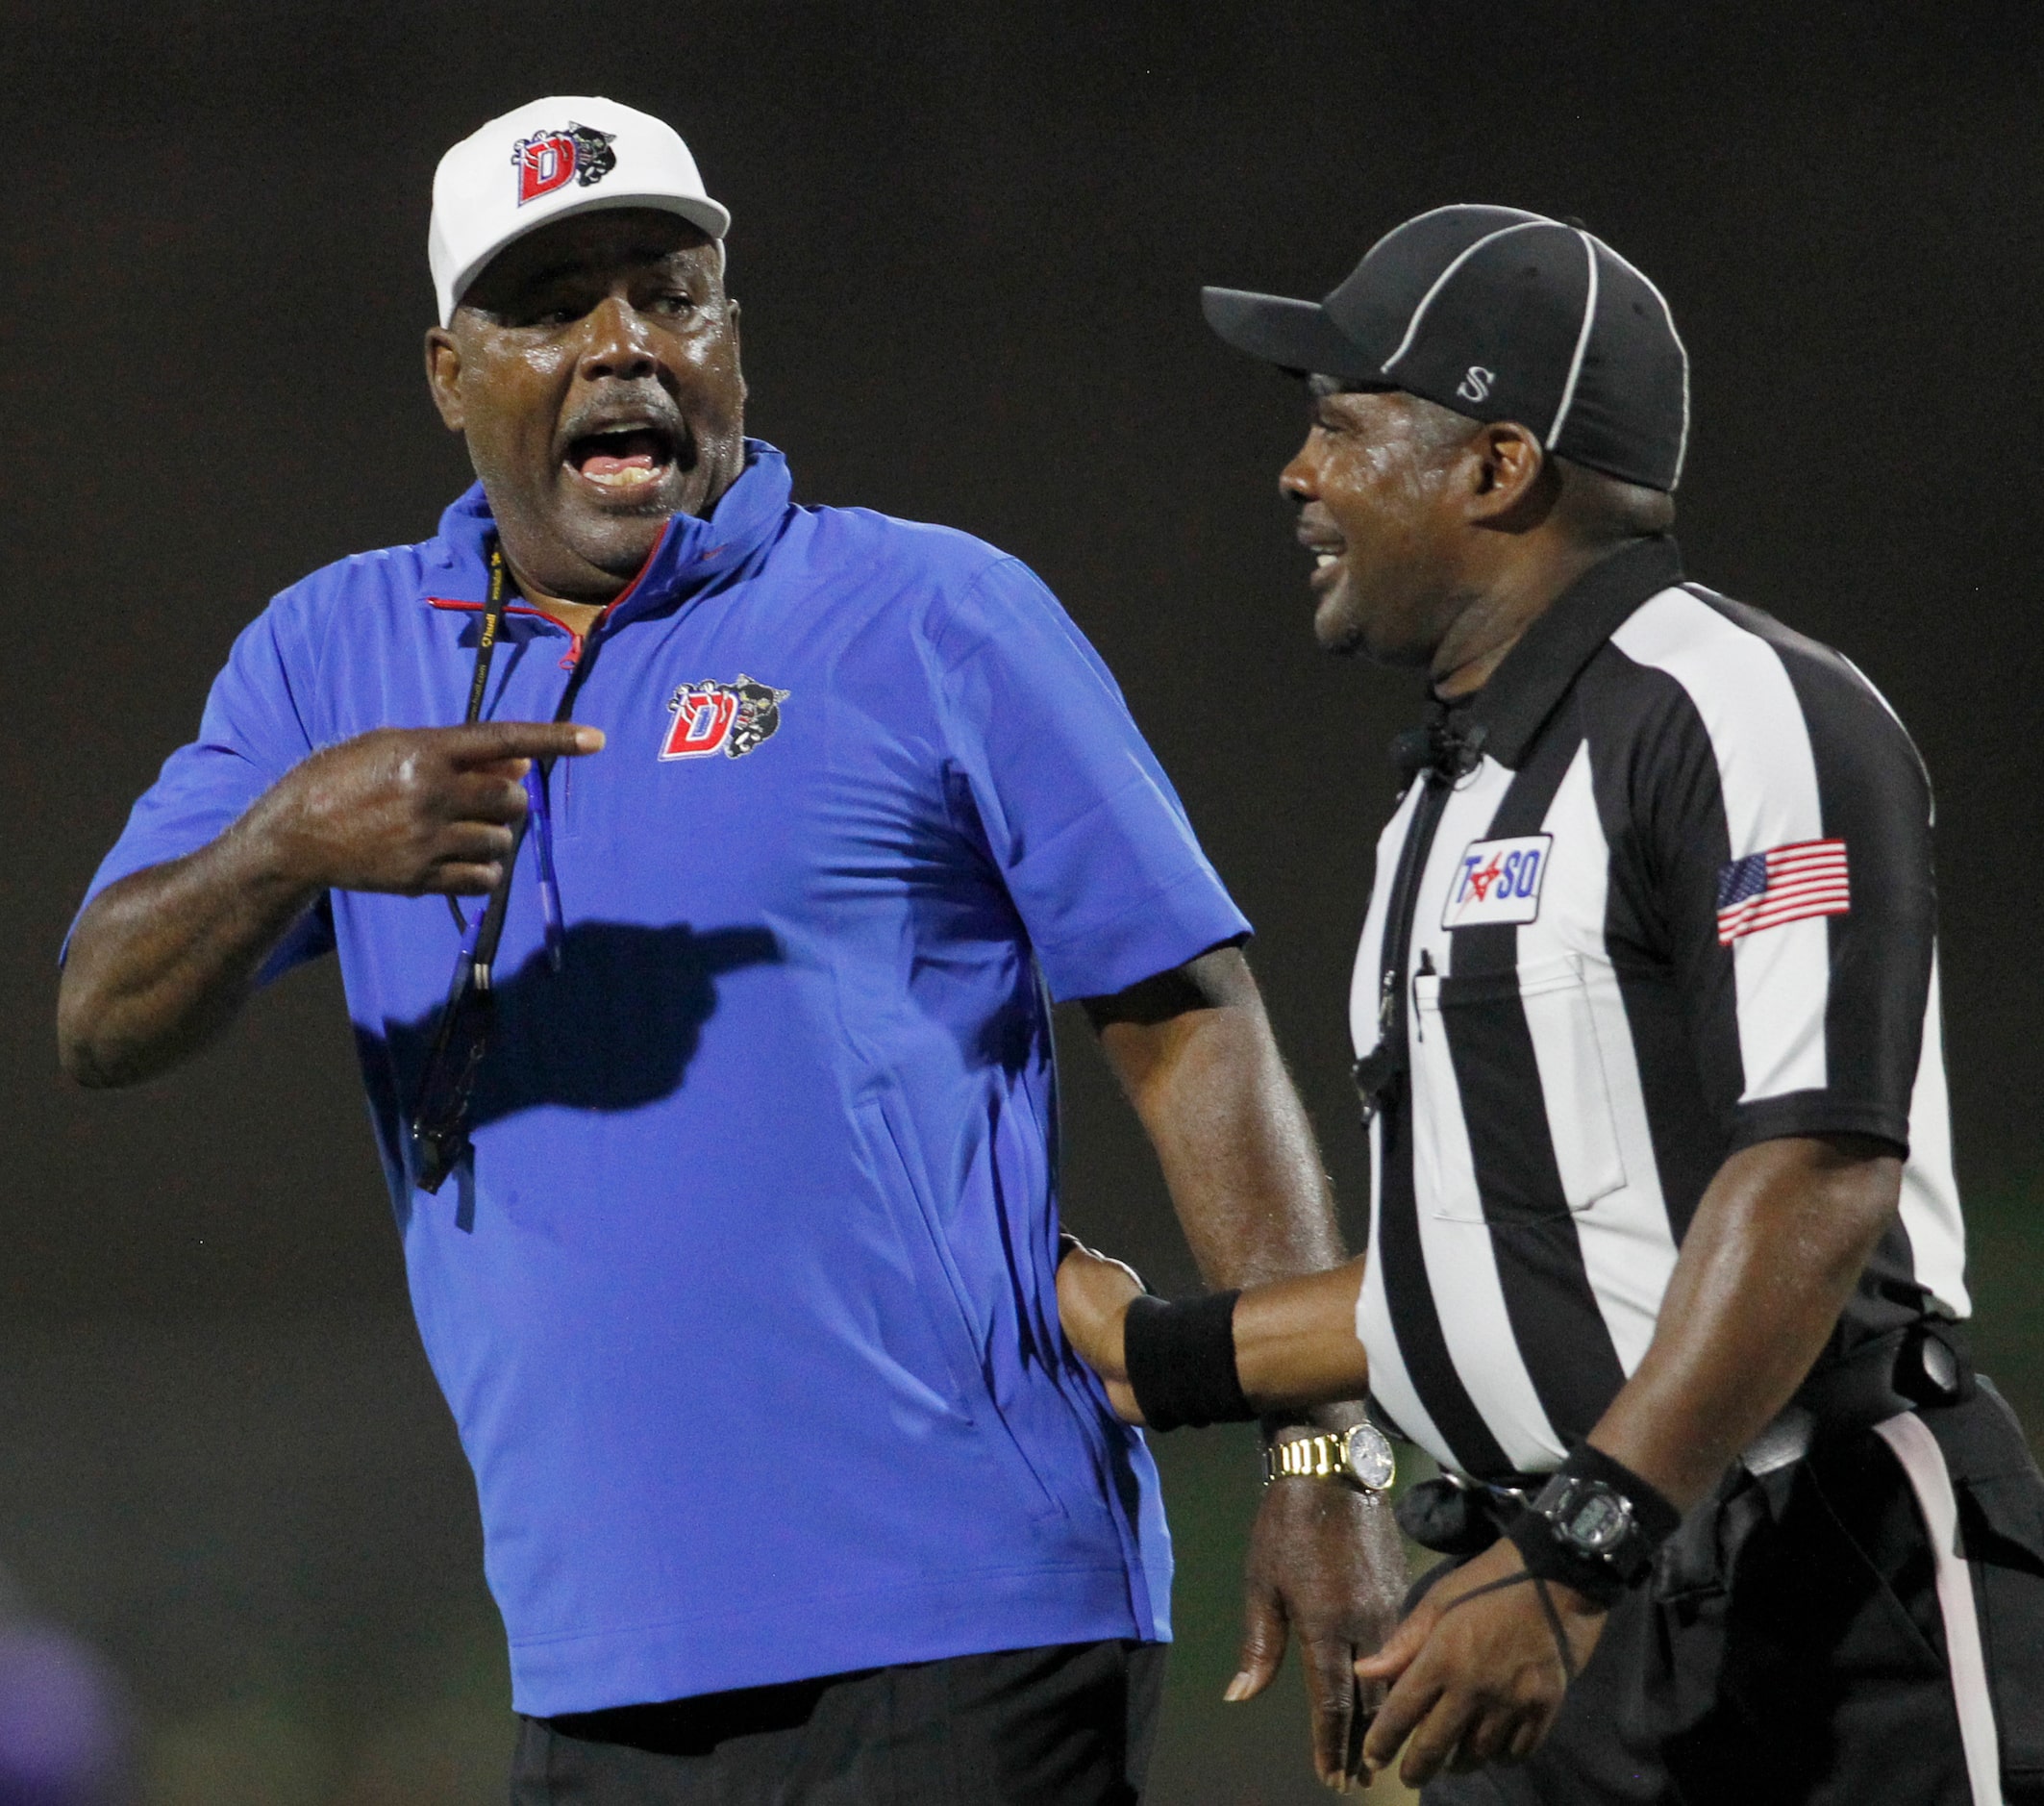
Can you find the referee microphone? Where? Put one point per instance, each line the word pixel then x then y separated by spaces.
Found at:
pixel 1442 750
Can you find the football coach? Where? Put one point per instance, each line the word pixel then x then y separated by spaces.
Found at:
pixel 1666 1265
pixel 701 868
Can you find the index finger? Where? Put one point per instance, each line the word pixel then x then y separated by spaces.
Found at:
pixel 1417 1693
pixel 480 742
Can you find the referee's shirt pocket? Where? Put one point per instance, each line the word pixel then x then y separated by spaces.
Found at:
pixel 1512 1120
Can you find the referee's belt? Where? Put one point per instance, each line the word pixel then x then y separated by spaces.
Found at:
pixel 1923 1364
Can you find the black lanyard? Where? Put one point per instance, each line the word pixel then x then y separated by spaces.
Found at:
pixel 440 1118
pixel 485 649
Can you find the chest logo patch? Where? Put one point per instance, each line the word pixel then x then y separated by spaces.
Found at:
pixel 1498 882
pixel 729 718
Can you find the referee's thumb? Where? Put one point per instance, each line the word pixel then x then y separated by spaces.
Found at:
pixel 1398 1650
pixel 1264 1636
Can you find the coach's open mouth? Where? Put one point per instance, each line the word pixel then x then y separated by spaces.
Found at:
pixel 623 460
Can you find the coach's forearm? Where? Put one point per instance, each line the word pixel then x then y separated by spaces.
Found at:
pixel 1194 1052
pixel 163 959
pixel 1772 1255
pixel 1196 1056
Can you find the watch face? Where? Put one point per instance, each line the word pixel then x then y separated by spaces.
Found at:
pixel 1370 1460
pixel 1596 1518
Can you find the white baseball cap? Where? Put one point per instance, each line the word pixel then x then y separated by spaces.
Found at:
pixel 567 154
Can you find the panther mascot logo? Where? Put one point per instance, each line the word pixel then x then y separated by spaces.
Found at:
pixel 550 160
pixel 731 718
pixel 759 717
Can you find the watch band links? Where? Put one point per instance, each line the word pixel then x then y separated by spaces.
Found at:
pixel 1360 1456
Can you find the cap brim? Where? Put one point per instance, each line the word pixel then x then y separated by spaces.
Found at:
pixel 705 214
pixel 1293 334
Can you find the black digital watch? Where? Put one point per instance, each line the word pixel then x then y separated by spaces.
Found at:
pixel 1595 1522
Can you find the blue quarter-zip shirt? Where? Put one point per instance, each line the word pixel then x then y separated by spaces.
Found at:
pixel 746 1308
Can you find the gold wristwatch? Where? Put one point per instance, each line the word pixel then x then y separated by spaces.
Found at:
pixel 1362 1455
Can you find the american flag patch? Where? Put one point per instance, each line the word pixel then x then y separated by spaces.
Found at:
pixel 1785 884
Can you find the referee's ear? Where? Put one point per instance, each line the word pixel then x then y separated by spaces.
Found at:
pixel 1512 483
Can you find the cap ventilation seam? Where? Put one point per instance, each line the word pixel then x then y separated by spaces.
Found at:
pixel 1441 282
pixel 1582 346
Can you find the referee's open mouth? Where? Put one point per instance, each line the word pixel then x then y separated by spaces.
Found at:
pixel 1327 549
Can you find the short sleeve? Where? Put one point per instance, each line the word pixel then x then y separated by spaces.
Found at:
pixel 1787 826
pixel 250 736
pixel 1087 834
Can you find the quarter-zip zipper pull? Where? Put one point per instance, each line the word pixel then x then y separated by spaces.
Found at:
pixel 536 788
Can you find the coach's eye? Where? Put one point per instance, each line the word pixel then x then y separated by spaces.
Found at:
pixel 549 314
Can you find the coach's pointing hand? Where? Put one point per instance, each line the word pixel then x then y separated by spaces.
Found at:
pixel 160 961
pixel 413 810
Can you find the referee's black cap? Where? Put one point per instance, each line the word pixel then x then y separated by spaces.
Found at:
pixel 1501 315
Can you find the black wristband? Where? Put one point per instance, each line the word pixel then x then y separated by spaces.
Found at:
pixel 1548 1558
pixel 1601 1579
pixel 1181 1360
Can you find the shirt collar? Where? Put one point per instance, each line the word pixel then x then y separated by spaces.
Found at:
pixel 691 552
pixel 1534 675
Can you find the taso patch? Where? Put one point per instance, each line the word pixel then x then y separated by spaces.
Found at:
pixel 1498 881
pixel 729 718
pixel 550 160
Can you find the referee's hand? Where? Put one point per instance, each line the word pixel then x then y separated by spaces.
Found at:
pixel 1477 1679
pixel 415 811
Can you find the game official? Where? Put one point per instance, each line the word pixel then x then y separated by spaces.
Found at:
pixel 1665 1265
pixel 724 1163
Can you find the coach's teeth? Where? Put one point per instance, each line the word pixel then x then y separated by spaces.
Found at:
pixel 620 475
pixel 623 459
pixel 1324 559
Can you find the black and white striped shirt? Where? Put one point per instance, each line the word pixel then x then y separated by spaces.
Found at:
pixel 1677 899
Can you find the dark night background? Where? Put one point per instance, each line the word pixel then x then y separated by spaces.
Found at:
pixel 968 241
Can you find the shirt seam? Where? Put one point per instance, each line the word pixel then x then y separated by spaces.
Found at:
pixel 1096 931
pixel 1787 1114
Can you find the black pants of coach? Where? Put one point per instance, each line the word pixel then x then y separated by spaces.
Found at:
pixel 1792 1646
pixel 1069 1725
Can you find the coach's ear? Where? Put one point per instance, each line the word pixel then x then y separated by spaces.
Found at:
pixel 443 376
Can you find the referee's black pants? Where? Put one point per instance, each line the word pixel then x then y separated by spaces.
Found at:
pixel 1791 1647
pixel 1068 1725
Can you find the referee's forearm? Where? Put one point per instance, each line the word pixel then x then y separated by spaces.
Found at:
pixel 1773 1252
pixel 1295 1341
